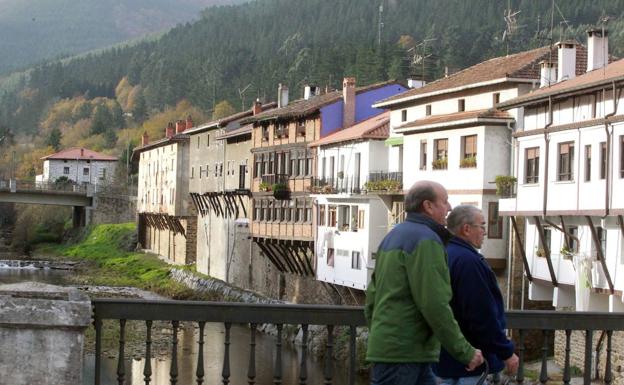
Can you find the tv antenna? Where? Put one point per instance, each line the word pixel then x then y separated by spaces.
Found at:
pixel 511 25
pixel 419 58
pixel 241 94
pixel 381 25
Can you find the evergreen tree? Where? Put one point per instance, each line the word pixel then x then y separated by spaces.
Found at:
pixel 54 139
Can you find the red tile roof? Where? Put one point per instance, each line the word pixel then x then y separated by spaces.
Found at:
pixel 523 65
pixel 456 117
pixel 303 107
pixel 77 153
pixel 376 127
pixel 599 77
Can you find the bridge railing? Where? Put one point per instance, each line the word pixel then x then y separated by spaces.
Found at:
pixel 329 316
pixel 17 185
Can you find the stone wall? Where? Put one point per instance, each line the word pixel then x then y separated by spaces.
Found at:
pixel 174 247
pixel 110 208
pixel 577 353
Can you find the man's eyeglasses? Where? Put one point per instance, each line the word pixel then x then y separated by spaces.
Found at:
pixel 483 227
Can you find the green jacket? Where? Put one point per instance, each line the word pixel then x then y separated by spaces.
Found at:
pixel 407 301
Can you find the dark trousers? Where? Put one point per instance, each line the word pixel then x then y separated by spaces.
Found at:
pixel 403 374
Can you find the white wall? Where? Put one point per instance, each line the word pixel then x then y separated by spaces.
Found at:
pixel 79 171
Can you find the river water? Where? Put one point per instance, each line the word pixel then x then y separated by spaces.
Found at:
pixel 187 351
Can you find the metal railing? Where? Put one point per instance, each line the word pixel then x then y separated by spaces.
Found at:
pixel 330 316
pixel 346 185
pixel 272 179
pixel 17 185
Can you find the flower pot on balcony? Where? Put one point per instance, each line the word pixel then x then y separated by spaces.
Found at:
pixel 281 191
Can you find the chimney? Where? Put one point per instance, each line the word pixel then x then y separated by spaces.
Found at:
pixel 548 73
pixel 348 97
pixel 415 83
pixel 189 122
pixel 144 139
pixel 82 152
pixel 180 126
pixel 257 107
pixel 566 60
pixel 282 96
pixel 597 48
pixel 310 91
pixel 170 130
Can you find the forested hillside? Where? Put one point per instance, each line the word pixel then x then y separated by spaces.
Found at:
pixel 34 30
pixel 235 54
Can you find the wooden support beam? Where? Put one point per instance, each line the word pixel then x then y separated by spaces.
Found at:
pixel 546 248
pixel 600 254
pixel 269 255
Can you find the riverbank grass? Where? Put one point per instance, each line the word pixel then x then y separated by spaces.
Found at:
pixel 108 259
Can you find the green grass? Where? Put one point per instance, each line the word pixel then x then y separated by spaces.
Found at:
pixel 108 261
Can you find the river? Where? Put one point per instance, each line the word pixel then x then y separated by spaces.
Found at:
pixel 187 351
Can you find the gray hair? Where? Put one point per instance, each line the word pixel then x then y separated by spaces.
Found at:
pixel 421 191
pixel 462 215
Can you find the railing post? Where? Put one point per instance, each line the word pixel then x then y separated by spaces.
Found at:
pixel 588 357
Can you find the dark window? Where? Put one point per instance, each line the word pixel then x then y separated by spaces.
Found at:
pixel 404 115
pixel 495 99
pixel 566 161
pixel 603 160
pixel 301 128
pixel 322 215
pixel 531 170
pixel 423 154
pixel 440 152
pixel 66 170
pixel 265 133
pixel 461 105
pixel 573 239
pixel 495 222
pixel 428 109
pixel 330 256
pixel 587 162
pixel 356 262
pixel 85 171
pixel 469 151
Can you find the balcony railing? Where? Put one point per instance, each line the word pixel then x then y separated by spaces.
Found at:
pixel 382 181
pixel 345 185
pixel 272 179
pixel 330 316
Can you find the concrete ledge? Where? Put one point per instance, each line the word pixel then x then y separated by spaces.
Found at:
pixel 42 334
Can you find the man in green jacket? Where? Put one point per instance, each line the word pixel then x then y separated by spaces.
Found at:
pixel 407 302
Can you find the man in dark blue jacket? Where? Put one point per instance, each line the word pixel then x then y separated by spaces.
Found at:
pixel 477 301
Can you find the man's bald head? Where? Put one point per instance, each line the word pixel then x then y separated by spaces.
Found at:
pixel 428 198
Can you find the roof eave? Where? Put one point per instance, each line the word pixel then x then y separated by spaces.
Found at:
pixel 389 103
pixel 528 99
pixel 461 122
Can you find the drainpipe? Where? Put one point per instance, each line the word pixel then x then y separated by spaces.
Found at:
pixel 547 142
pixel 608 154
pixel 512 167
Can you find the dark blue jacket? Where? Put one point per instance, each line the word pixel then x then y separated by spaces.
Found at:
pixel 478 308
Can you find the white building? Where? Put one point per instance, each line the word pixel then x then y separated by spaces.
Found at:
pixel 449 131
pixel 350 223
pixel 569 161
pixel 79 165
pixel 167 219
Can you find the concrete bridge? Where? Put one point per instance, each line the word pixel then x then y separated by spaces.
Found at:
pixel 80 197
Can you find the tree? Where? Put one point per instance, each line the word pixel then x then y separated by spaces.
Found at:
pixel 102 119
pixel 139 112
pixel 54 139
pixel 223 109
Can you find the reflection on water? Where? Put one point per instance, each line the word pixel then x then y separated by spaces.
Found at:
pixel 213 362
pixel 15 275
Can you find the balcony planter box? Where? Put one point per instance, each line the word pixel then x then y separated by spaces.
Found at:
pixel 505 185
pixel 440 164
pixel 263 186
pixel 469 162
pixel 281 191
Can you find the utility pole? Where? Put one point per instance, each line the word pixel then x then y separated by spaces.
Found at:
pixel 380 25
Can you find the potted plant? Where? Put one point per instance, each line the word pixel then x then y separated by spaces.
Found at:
pixel 264 186
pixel 567 253
pixel 281 191
pixel 328 189
pixel 440 164
pixel 468 162
pixel 340 174
pixel 540 253
pixel 505 185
